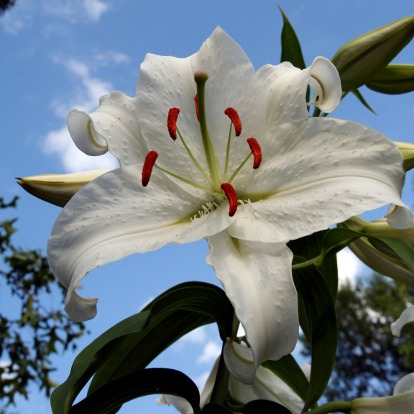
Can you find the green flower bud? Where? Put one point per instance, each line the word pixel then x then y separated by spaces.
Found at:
pixel 407 152
pixel 377 256
pixel 393 79
pixel 359 60
pixel 57 189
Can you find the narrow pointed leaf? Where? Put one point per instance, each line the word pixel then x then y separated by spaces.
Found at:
pixel 361 99
pixel 173 314
pixel 110 398
pixel 291 49
pixel 133 343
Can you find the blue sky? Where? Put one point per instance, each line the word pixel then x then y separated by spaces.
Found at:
pixel 64 54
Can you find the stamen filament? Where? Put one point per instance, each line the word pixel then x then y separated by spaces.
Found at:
pixel 239 168
pixel 199 167
pixel 194 184
pixel 200 78
pixel 226 166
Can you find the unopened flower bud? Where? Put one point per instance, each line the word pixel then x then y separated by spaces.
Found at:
pixel 407 152
pixel 359 60
pixel 393 79
pixel 57 189
pixel 376 255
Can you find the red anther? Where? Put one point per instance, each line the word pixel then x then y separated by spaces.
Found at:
pixel 172 122
pixel 234 117
pixel 196 107
pixel 231 195
pixel 148 166
pixel 256 151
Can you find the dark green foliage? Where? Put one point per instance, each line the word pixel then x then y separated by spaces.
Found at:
pixel 369 358
pixel 32 331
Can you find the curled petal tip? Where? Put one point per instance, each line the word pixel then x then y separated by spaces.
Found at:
pixel 326 85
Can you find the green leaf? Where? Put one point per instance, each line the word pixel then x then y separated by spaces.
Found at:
pixel 173 314
pixel 288 370
pixel 132 344
pixel 312 246
pixel 109 398
pixel 214 408
pixel 398 247
pixel 265 407
pixel 318 321
pixel 291 49
pixel 361 99
pixel 90 358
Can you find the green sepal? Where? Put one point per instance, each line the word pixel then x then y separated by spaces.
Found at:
pixel 291 49
pixel 109 398
pixel 393 79
pixel 288 370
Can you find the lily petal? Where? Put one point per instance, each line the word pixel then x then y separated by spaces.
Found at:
pixel 165 82
pixel 285 87
pixel 326 85
pixel 126 218
pixel 406 383
pixel 257 278
pixel 114 126
pixel 406 317
pixel 401 404
pixel 318 173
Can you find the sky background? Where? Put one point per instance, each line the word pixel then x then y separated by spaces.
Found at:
pixel 64 54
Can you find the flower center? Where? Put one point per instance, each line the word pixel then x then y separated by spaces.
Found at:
pixel 220 183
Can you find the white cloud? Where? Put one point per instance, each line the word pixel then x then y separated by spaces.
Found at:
pixel 76 10
pixel 94 9
pixel 210 353
pixel 59 142
pixel 84 97
pixel 24 12
pixel 349 267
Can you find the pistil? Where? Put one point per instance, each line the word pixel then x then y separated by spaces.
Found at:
pixel 200 78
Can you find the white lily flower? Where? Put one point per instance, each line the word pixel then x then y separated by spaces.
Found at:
pixel 407 317
pixel 401 402
pixel 267 386
pixel 307 175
